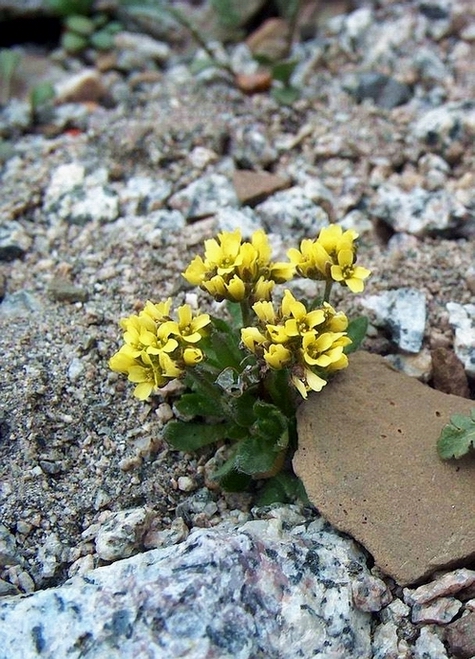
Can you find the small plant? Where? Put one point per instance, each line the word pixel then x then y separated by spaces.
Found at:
pixel 82 28
pixel 457 437
pixel 246 375
pixel 9 63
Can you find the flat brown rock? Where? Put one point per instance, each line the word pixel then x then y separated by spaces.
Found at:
pixel 367 457
pixel 252 187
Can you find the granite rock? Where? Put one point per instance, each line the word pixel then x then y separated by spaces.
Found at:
pixel 419 211
pixel 375 473
pixel 204 196
pixel 462 319
pixel 294 210
pixel 14 241
pixel 221 593
pixel 461 636
pixel 403 312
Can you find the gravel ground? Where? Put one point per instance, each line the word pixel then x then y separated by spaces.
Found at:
pixel 74 445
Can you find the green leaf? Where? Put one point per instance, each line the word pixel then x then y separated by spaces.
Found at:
pixel 227 14
pixel 271 425
pixel 193 435
pixel 80 25
pixel 9 61
pixel 255 455
pixel 283 488
pixel 357 329
pixel 199 65
pixel 41 94
pixel 196 404
pixel 457 437
pixel 285 95
pixel 235 313
pixel 226 349
pixel 282 71
pixel 68 7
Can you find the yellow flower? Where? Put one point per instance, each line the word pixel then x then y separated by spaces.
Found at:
pixel 324 349
pixel 277 356
pixel 349 274
pixel 225 254
pixel 300 321
pixel 263 289
pixel 158 312
pixel 123 360
pixel 196 273
pixel 160 341
pixel 308 381
pixel 252 337
pixel 188 328
pixel 192 356
pixel 264 310
pixel 147 376
pixel 236 289
pixel 311 261
pixel 277 333
pixel 169 368
pixel 333 238
pixel 216 286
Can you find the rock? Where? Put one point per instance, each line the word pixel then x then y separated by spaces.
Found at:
pixel 441 127
pixel 448 584
pixel 462 319
pixel 254 83
pixel 77 198
pixel 82 87
pixel 9 554
pixel 253 187
pixel 403 312
pixel 19 303
pixel 448 373
pixel 375 473
pixel 14 241
pixel 270 40
pixel 370 593
pixel 204 197
pixel 122 533
pixel 292 210
pixel 382 89
pixel 63 290
pixel 429 645
pixel 139 51
pixel 220 593
pixel 245 219
pixel 417 365
pixel 461 636
pixel 252 149
pixel 386 642
pixel 419 212
pixel 441 611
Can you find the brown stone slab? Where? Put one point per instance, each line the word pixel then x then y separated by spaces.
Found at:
pixel 252 187
pixel 367 457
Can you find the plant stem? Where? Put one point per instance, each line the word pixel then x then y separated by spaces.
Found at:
pixel 245 313
pixel 328 288
pixel 181 18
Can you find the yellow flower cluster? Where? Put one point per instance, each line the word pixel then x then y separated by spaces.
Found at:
pixel 235 270
pixel 332 257
pixel 309 343
pixel 157 348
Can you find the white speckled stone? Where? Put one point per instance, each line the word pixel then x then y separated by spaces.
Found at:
pixel 462 319
pixel 220 594
pixel 418 212
pixel 403 312
pixel 205 196
pixel 292 210
pixel 429 645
